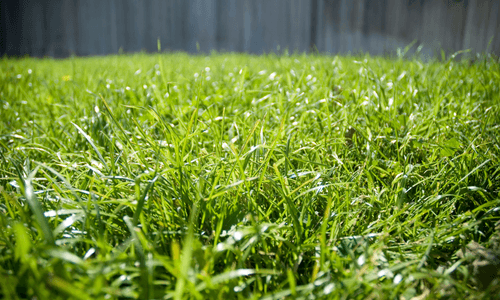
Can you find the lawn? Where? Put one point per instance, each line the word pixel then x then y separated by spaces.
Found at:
pixel 236 176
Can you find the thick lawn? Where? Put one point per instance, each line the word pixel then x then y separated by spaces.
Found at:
pixel 237 176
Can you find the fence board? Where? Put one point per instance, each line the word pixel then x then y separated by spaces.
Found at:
pixel 252 23
pixel 300 24
pixel 159 24
pixel 179 27
pixel 229 35
pixel 34 32
pixel 89 27
pixel 69 27
pixel 201 25
pixel 475 36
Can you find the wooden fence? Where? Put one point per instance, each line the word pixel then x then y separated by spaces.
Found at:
pixel 94 27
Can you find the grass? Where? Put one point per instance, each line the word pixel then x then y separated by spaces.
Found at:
pixel 237 176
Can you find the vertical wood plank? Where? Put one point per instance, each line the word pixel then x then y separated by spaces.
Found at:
pixel 471 26
pixel 11 15
pixel 455 20
pixel 119 9
pixel 26 27
pixel 491 31
pixel 179 26
pixel 201 28
pixel 36 28
pixel 229 25
pixel 346 13
pixel 100 15
pixel 84 42
pixel 159 18
pixel 356 19
pixel 318 39
pixel 68 10
pixel 306 14
pixel 494 28
pixel 300 24
pixel 395 17
pixel 140 24
pixel 113 28
pixel 374 26
pixel 332 25
pixel 253 29
pixel 483 9
pixel 271 22
pixel 54 25
pixel 134 25
pixel 434 27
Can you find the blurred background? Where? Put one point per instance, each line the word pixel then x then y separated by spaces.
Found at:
pixel 60 28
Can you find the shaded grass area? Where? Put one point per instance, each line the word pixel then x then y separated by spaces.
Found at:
pixel 238 176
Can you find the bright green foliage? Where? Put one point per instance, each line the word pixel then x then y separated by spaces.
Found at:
pixel 237 176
